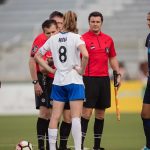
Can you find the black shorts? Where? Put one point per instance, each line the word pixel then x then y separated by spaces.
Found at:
pixel 46 85
pixel 97 92
pixel 44 99
pixel 146 99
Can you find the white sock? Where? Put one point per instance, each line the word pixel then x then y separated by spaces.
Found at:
pixel 52 137
pixel 76 132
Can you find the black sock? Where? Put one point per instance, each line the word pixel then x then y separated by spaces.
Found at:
pixel 84 126
pixel 146 126
pixel 98 130
pixel 47 142
pixel 64 134
pixel 41 132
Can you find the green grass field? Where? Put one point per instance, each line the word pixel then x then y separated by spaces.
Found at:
pixel 124 135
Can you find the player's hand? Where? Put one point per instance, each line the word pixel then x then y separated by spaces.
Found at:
pixel 50 61
pixel 38 90
pixel 79 70
pixel 118 81
pixel 51 70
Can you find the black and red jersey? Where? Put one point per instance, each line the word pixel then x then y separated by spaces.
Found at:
pixel 100 48
pixel 39 42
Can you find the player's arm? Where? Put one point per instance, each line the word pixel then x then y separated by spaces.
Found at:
pixel 40 61
pixel 33 72
pixel 42 69
pixel 85 58
pixel 115 66
pixel 49 61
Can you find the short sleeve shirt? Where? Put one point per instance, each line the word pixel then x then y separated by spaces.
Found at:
pixel 100 48
pixel 66 55
pixel 38 42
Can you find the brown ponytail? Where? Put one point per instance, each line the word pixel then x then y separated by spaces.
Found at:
pixel 70 22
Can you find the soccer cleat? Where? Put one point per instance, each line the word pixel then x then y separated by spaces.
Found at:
pixel 145 148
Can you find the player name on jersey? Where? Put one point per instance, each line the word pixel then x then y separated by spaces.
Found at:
pixel 64 39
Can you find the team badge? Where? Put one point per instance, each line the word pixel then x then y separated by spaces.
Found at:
pixel 34 49
pixel 107 50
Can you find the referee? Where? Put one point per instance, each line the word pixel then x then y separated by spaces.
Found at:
pixel 96 78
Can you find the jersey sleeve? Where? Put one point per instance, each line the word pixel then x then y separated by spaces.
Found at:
pixel 35 47
pixel 79 41
pixel 45 48
pixel 112 52
pixel 37 43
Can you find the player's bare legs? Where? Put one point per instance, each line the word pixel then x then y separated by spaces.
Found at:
pixel 76 110
pixel 87 112
pixel 55 117
pixel 44 113
pixel 67 115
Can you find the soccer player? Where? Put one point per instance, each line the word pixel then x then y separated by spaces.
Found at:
pixel 145 114
pixel 42 84
pixel 42 103
pixel 96 78
pixel 68 85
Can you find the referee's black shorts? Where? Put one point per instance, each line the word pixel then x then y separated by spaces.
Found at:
pixel 44 99
pixel 146 99
pixel 97 92
pixel 46 85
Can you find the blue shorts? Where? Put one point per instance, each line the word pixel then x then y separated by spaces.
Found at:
pixel 146 99
pixel 68 92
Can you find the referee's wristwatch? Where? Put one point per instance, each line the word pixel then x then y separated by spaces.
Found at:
pixel 35 81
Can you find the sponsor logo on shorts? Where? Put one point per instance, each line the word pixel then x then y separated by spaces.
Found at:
pixel 43 100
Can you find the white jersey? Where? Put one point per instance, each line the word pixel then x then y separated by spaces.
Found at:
pixel 65 53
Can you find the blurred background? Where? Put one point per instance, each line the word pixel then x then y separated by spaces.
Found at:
pixel 20 23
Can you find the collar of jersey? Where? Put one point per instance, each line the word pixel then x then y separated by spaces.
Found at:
pixel 92 33
pixel 63 32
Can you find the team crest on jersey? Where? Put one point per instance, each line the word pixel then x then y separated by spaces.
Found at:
pixel 92 47
pixel 34 49
pixel 107 50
